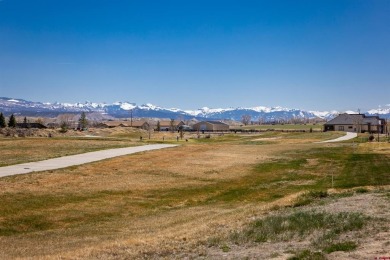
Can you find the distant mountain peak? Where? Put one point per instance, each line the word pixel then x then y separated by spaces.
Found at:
pixel 122 110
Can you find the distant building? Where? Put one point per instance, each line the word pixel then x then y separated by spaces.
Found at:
pixel 140 124
pixel 358 123
pixel 137 124
pixel 210 126
pixel 30 125
pixel 167 125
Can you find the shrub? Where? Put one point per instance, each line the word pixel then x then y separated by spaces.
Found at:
pixel 309 197
pixel 309 255
pixel 342 246
pixel 64 127
pixel 300 224
pixel 361 190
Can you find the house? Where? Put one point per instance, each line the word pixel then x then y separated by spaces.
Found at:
pixel 166 125
pixel 30 125
pixel 137 124
pixel 112 124
pixel 358 123
pixel 140 124
pixel 210 126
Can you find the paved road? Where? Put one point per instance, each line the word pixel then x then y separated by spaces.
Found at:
pixel 348 136
pixel 77 159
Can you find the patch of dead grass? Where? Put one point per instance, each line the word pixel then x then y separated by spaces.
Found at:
pixel 149 204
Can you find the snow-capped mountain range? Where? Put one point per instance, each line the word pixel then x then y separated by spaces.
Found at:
pixel 124 109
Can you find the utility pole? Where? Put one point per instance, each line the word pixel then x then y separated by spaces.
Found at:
pixel 377 128
pixel 131 117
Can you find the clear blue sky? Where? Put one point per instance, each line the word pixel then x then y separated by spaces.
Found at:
pixel 311 54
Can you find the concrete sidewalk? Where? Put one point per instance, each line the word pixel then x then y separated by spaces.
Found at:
pixel 348 136
pixel 78 159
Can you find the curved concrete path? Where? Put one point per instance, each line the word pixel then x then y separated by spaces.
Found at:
pixel 348 136
pixel 78 159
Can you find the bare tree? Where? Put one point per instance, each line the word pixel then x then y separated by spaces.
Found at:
pixel 181 132
pixel 40 120
pixel 151 126
pixel 65 120
pixel 261 120
pixel 357 122
pixel 246 119
pixel 172 125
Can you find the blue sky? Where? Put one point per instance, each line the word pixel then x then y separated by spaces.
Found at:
pixel 315 54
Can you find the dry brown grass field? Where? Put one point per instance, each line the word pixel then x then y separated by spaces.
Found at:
pixel 185 202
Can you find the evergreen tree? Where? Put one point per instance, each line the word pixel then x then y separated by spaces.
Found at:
pixel 2 121
pixel 83 122
pixel 64 127
pixel 12 121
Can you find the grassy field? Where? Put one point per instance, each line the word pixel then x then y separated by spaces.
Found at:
pixel 203 199
pixel 14 151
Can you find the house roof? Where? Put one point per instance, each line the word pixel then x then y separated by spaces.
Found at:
pixel 214 122
pixel 167 123
pixel 124 123
pixel 138 123
pixel 113 123
pixel 373 120
pixel 346 119
pixel 31 125
pixel 350 119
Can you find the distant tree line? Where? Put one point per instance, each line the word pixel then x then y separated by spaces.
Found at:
pixel 65 122
pixel 247 120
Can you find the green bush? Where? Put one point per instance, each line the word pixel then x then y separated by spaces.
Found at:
pixel 361 190
pixel 298 225
pixel 309 197
pixel 308 255
pixel 341 246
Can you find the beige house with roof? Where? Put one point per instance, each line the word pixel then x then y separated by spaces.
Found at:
pixel 166 125
pixel 358 123
pixel 211 126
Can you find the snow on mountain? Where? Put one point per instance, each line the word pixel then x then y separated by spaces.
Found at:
pixel 125 105
pixel 325 114
pixel 127 109
pixel 351 112
pixel 380 110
